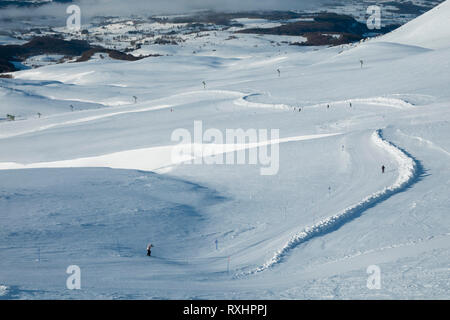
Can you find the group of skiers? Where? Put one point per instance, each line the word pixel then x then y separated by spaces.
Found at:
pixel 350 105
pixel 328 107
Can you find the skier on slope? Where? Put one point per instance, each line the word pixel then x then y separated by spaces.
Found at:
pixel 149 249
pixel 383 169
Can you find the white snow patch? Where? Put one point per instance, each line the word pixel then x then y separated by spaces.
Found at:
pixel 155 158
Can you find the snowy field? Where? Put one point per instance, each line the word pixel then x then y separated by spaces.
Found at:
pixel 87 175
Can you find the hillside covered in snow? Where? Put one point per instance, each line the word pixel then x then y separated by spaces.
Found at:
pixel 88 175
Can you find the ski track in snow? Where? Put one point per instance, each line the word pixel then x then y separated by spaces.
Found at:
pixel 242 101
pixel 393 246
pixel 377 101
pixel 426 142
pixel 408 174
pixel 116 112
pixel 82 120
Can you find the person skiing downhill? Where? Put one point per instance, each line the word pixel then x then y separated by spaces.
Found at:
pixel 383 169
pixel 149 249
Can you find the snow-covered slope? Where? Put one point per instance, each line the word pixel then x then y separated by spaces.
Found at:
pixel 309 231
pixel 431 30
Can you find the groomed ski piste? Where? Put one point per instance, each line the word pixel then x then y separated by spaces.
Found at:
pixel 408 172
pixel 92 180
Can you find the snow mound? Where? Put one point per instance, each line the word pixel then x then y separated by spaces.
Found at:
pixel 244 102
pixel 430 30
pixel 408 172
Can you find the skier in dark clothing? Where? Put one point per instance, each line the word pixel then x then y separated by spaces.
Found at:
pixel 149 249
pixel 383 169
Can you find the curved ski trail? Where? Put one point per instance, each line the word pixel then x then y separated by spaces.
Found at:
pixel 396 103
pixel 408 173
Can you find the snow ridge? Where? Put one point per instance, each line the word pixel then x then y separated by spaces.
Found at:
pixel 244 102
pixel 408 173
pixel 377 101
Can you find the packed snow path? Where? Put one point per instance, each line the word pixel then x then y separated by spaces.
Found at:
pixel 408 175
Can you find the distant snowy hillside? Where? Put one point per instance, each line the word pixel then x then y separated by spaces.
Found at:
pixel 431 30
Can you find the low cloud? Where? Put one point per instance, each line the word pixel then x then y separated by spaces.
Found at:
pixel 150 7
pixel 54 14
pixel 154 7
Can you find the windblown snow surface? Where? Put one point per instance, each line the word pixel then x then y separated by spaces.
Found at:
pixel 91 185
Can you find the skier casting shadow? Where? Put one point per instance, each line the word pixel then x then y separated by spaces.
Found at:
pixel 149 250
